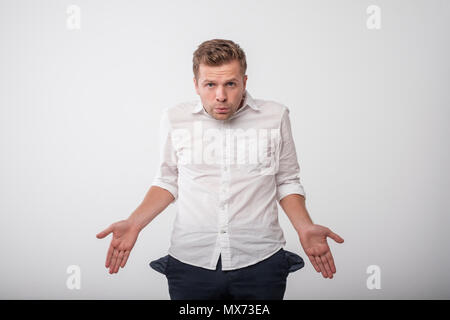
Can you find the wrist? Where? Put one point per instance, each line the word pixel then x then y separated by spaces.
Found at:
pixel 134 224
pixel 300 227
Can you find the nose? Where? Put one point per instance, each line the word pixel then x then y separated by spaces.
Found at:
pixel 220 94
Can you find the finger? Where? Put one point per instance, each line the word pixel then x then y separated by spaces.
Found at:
pixel 104 233
pixel 109 256
pixel 330 259
pixel 314 263
pixel 118 261
pixel 327 267
pixel 113 261
pixel 322 268
pixel 335 237
pixel 125 258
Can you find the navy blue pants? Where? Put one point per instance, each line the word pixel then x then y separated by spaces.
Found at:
pixel 265 280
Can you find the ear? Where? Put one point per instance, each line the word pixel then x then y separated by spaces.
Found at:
pixel 245 81
pixel 196 85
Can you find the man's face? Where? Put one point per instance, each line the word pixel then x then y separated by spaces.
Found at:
pixel 221 88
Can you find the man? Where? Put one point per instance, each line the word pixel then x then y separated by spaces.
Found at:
pixel 227 159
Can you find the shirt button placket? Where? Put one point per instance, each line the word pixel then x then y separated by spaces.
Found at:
pixel 224 195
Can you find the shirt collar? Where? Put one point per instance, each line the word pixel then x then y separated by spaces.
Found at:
pixel 248 101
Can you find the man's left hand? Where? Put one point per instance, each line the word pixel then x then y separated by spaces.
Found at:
pixel 314 242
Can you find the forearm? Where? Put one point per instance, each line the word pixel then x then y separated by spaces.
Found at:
pixel 155 201
pixel 294 207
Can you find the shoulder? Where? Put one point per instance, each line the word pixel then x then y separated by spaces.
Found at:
pixel 181 107
pixel 272 108
pixel 178 111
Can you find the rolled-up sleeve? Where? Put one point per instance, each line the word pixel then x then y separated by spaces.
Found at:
pixel 167 173
pixel 288 175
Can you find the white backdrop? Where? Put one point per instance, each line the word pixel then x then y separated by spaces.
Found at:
pixel 79 121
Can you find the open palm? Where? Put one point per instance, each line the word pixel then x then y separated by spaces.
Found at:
pixel 124 238
pixel 314 242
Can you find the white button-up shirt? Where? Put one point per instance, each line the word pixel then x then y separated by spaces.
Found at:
pixel 226 177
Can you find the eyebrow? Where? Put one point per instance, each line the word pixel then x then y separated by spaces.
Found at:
pixel 230 80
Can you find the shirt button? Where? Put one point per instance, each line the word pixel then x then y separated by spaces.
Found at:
pixel 223 231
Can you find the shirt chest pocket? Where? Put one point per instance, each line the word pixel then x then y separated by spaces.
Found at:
pixel 261 155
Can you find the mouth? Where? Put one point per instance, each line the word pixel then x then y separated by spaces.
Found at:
pixel 221 110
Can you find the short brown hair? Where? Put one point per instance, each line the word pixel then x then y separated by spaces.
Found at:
pixel 216 52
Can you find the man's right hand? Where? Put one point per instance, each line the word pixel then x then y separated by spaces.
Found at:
pixel 125 235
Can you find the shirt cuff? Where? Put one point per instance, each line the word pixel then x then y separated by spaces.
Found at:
pixel 167 186
pixel 287 189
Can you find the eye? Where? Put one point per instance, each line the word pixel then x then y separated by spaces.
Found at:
pixel 208 84
pixel 231 84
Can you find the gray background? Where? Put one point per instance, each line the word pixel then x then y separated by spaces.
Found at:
pixel 80 114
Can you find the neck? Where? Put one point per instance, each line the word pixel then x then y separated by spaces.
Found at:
pixel 242 102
